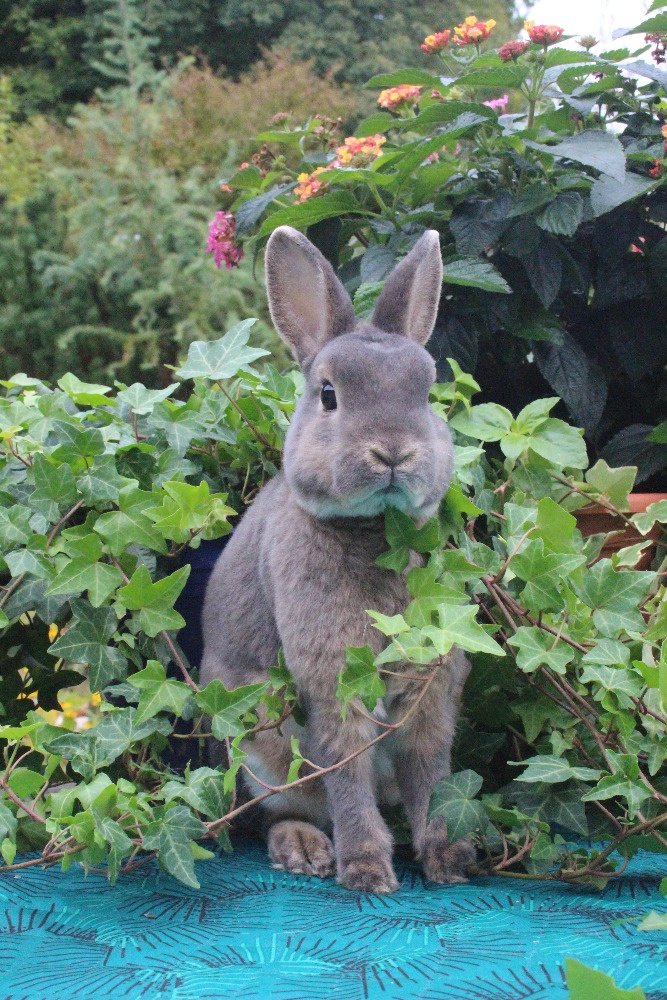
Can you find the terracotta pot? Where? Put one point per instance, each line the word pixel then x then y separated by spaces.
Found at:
pixel 596 520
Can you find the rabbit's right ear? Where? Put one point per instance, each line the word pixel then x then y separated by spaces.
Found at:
pixel 307 301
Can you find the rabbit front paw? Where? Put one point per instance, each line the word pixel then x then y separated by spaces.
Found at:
pixel 443 861
pixel 368 873
pixel 301 849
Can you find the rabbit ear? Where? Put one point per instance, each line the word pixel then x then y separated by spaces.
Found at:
pixel 307 301
pixel 408 303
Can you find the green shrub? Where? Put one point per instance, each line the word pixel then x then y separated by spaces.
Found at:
pixel 551 216
pixel 102 491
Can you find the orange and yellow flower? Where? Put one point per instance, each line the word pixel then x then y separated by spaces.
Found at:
pixel 359 152
pixel 309 185
pixel 393 97
pixel 436 42
pixel 472 31
pixel 543 34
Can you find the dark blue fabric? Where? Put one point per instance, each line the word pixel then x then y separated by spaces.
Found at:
pixel 254 932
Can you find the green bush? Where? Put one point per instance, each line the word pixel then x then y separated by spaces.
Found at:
pixel 551 205
pixel 565 731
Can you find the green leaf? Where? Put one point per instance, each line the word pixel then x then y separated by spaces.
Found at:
pixel 203 789
pixel 53 482
pixel 102 481
pixel 614 595
pixel 171 837
pixel 142 400
pixel 458 627
pixel 537 648
pixel 615 786
pixel 612 484
pixel 307 213
pixel 545 574
pixel 486 422
pixel 98 578
pixel 15 526
pixel 224 358
pixel 413 77
pixel 655 512
pixel 653 921
pixel 560 444
pixel 86 641
pixel 563 215
pixel 607 193
pixel 473 272
pixel 226 708
pixel 454 799
pixel 157 693
pixel 155 601
pixel 359 679
pixel 85 393
pixel 552 770
pixel 130 524
pixel 594 148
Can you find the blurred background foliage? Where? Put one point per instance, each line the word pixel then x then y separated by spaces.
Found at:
pixel 118 119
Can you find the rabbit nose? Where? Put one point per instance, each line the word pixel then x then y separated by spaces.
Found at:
pixel 392 459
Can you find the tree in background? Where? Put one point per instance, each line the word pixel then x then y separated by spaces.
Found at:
pixel 52 48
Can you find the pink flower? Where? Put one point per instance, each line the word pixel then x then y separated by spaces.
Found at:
pixel 393 97
pixel 499 104
pixel 512 50
pixel 221 241
pixel 543 34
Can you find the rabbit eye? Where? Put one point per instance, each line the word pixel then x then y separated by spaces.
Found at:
pixel 328 396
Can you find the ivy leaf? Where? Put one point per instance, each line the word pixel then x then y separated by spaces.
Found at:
pixel 613 484
pixel 86 641
pixel 85 393
pixel 102 481
pixel 545 574
pixel 553 770
pixel 458 626
pixel 15 526
pixel 537 648
pixel 618 786
pixel 155 601
pixel 227 708
pixel 171 837
pixel 614 596
pixel 130 524
pixel 98 578
pixel 188 509
pixel 157 693
pixel 142 400
pixel 453 798
pixel 203 789
pixel 223 358
pixel 53 481
pixel 359 679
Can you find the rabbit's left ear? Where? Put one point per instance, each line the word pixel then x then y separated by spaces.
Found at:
pixel 408 303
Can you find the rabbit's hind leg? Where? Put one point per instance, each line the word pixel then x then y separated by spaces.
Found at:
pixel 300 848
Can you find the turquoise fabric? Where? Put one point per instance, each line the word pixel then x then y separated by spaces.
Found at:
pixel 254 932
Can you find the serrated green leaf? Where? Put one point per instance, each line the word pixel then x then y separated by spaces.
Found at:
pixel 473 272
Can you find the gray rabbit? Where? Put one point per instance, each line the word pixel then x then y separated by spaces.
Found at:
pixel 300 571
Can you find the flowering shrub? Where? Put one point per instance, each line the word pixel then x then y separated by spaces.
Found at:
pixel 541 167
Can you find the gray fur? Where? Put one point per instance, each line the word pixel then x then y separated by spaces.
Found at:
pixel 300 570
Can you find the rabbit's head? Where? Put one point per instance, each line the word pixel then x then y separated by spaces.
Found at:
pixel 363 437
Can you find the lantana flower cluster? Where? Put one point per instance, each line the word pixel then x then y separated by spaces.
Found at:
pixel 543 34
pixel 436 42
pixel 510 51
pixel 472 31
pixel 221 242
pixel 353 153
pixel 394 97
